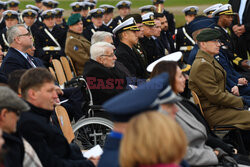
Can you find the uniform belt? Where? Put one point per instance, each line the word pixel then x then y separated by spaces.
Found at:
pixel 186 48
pixel 51 48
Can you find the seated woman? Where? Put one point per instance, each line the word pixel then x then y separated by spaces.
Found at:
pixel 152 139
pixel 203 144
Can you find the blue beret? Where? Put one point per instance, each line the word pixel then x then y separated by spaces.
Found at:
pixel 146 97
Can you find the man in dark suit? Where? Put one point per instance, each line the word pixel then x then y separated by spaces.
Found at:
pixel 104 79
pixel 241 26
pixel 20 41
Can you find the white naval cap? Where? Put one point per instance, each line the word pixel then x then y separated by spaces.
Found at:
pixel 223 10
pixel 107 8
pixel 191 10
pixel 10 14
pixel 148 19
pixel 147 8
pixel 48 14
pixel 98 12
pixel 13 2
pixel 211 9
pixel 91 1
pixel 123 3
pixel 29 12
pixel 176 56
pixel 129 24
pixel 32 7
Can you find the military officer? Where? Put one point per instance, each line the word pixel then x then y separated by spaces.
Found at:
pixel 48 4
pixel 159 4
pixel 2 9
pixel 147 42
pixel 207 78
pixel 76 7
pixel 11 18
pixel 35 8
pixel 86 18
pixel 59 17
pixel 123 10
pixel 147 8
pixel 225 15
pixel 49 39
pixel 208 11
pixel 77 47
pixel 108 16
pixel 183 38
pixel 13 5
pixel 38 4
pixel 97 23
pixel 28 17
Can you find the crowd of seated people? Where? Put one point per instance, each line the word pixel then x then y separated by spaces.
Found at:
pixel 112 54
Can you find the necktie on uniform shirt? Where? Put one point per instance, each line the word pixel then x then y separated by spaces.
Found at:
pixel 30 61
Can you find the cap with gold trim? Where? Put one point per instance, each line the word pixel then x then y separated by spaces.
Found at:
pixel 147 8
pixel 107 8
pixel 158 2
pixel 191 10
pixel 91 1
pixel 223 10
pixel 76 6
pixel 10 14
pixel 211 9
pixel 29 13
pixel 2 5
pixel 33 7
pixel 129 24
pixel 13 3
pixel 50 3
pixel 56 3
pixel 98 12
pixel 48 14
pixel 148 19
pixel 88 5
pixel 58 12
pixel 123 4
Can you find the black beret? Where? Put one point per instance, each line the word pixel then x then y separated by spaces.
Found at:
pixel 208 34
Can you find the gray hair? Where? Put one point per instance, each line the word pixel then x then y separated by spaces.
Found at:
pixel 100 36
pixel 13 32
pixel 98 49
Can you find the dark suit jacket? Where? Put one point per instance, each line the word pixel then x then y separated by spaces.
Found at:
pixel 14 60
pixel 48 141
pixel 246 15
pixel 104 82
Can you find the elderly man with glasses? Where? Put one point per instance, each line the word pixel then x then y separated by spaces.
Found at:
pixel 20 41
pixel 104 79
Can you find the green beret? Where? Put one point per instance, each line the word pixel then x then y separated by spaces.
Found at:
pixel 208 34
pixel 74 18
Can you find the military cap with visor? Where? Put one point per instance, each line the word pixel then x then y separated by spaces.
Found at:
pixel 10 14
pixel 147 8
pixel 58 12
pixel 48 3
pixel 2 5
pixel 76 6
pixel 38 1
pixel 211 9
pixel 91 1
pixel 129 24
pixel 191 10
pixel 48 14
pixel 148 19
pixel 123 4
pixel 74 19
pixel 10 100
pixel 157 2
pixel 29 13
pixel 107 8
pixel 98 12
pixel 88 5
pixel 208 34
pixel 223 10
pixel 32 7
pixel 13 3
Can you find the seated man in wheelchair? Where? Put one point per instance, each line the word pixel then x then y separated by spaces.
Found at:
pixel 102 76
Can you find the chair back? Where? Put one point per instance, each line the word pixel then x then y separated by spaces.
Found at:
pixel 59 71
pixel 51 70
pixel 197 101
pixel 65 64
pixel 71 64
pixel 64 122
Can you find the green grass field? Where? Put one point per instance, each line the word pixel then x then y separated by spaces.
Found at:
pixel 175 6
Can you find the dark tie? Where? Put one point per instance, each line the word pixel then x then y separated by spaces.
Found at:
pixel 31 62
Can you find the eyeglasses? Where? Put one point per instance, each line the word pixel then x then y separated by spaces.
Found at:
pixel 27 34
pixel 112 55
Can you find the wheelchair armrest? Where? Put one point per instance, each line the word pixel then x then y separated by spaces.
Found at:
pixel 96 107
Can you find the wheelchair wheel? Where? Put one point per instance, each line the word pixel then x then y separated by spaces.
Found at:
pixel 91 131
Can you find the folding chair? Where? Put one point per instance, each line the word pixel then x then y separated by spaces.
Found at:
pixel 66 66
pixel 59 71
pixel 51 70
pixel 71 64
pixel 65 124
pixel 239 139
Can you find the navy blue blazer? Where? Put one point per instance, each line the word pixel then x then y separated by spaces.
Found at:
pixel 14 60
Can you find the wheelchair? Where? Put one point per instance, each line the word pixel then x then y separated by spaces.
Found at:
pixel 94 126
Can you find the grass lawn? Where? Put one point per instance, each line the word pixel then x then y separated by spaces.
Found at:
pixel 174 6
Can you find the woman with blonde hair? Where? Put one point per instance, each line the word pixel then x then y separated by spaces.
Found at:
pixel 152 140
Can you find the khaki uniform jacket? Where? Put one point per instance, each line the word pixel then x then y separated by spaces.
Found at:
pixel 78 49
pixel 208 79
